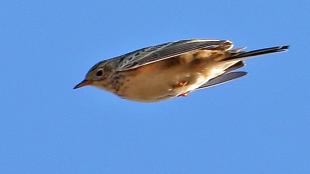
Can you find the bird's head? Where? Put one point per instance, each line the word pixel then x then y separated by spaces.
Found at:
pixel 96 76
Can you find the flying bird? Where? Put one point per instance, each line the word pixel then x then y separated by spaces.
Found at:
pixel 171 69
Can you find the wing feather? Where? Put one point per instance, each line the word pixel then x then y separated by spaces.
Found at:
pixel 223 79
pixel 168 50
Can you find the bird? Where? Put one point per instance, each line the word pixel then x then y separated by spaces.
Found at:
pixel 171 69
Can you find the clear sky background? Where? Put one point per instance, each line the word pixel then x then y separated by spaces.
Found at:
pixel 259 124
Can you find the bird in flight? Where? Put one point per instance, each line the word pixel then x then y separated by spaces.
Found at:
pixel 171 69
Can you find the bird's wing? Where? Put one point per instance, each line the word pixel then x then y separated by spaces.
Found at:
pixel 223 78
pixel 168 50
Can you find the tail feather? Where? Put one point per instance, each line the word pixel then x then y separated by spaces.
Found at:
pixel 245 54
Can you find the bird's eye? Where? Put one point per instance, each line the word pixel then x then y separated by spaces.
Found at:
pixel 99 73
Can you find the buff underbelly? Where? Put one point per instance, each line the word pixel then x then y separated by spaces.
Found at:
pixel 153 84
pixel 170 78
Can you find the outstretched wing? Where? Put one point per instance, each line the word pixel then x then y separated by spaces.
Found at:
pixel 168 50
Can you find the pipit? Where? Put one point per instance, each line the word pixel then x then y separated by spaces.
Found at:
pixel 171 69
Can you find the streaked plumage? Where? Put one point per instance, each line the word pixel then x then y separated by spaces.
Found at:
pixel 171 69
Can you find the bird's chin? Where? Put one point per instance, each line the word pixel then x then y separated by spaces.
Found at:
pixel 99 84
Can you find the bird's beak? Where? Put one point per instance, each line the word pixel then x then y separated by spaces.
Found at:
pixel 83 83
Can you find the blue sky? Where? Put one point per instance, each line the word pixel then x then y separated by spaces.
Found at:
pixel 257 124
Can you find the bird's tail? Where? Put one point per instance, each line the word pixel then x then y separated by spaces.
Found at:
pixel 241 55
